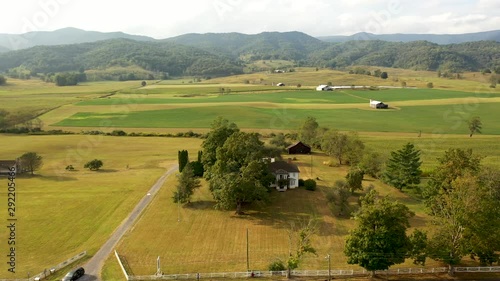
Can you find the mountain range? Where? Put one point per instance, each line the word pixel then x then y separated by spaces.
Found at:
pixel 72 35
pixel 215 54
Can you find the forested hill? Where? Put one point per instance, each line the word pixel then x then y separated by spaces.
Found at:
pixel 419 55
pixel 267 45
pixel 225 54
pixel 166 57
pixel 442 39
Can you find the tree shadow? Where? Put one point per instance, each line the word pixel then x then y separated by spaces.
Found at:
pixel 200 205
pixel 52 178
pixel 107 171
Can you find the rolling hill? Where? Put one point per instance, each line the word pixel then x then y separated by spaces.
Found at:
pixel 166 57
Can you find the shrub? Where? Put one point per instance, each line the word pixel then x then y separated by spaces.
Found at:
pixel 301 182
pixel 277 265
pixel 430 85
pixel 93 165
pixel 70 168
pixel 118 133
pixel 310 184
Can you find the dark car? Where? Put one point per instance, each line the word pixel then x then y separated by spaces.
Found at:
pixel 74 274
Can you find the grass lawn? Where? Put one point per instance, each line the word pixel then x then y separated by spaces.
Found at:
pixel 61 213
pixel 207 240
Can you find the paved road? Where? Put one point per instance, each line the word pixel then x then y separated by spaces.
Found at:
pixel 94 265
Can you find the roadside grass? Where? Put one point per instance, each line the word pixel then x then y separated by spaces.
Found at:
pixel 63 213
pixel 429 119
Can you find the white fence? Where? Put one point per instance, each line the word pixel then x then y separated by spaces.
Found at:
pixel 303 273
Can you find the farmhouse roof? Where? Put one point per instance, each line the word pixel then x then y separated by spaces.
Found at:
pixel 279 166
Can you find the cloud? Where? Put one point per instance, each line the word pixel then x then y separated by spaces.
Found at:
pixel 162 19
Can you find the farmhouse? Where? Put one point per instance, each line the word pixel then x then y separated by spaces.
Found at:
pixel 378 104
pixel 299 148
pixel 286 173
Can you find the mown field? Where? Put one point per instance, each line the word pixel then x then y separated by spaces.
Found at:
pixel 444 119
pixel 207 240
pixel 62 213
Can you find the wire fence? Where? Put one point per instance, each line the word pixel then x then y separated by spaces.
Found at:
pixel 303 273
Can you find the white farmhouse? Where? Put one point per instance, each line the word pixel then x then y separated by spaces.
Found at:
pixel 286 173
pixel 378 104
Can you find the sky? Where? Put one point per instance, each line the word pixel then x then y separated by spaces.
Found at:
pixel 166 18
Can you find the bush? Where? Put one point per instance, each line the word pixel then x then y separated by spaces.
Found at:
pixel 301 182
pixel 430 85
pixel 118 133
pixel 310 184
pixel 93 165
pixel 277 265
pixel 70 168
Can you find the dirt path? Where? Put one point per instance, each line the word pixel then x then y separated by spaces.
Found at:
pixel 94 265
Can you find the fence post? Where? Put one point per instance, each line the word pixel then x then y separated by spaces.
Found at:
pixel 121 265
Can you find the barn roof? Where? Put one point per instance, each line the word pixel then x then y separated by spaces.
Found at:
pixel 297 143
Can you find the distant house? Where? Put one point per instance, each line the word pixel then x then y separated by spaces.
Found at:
pixel 286 173
pixel 280 84
pixel 378 104
pixel 5 166
pixel 324 88
pixel 299 148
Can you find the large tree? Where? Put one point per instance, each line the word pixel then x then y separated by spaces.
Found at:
pixel 30 161
pixel 347 148
pixel 221 130
pixel 475 126
pixel 379 239
pixel 187 183
pixel 308 131
pixel 239 172
pixel 454 163
pixel 403 168
pixel 466 222
pixel 3 81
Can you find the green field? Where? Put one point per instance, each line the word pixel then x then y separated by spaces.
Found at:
pixel 444 119
pixel 63 213
pixel 164 96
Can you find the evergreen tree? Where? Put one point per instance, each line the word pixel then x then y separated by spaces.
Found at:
pixel 183 158
pixel 403 169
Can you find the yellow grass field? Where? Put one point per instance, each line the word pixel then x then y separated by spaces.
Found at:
pixel 62 213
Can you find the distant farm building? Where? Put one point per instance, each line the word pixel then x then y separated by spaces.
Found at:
pixel 324 88
pixel 280 84
pixel 378 104
pixel 6 165
pixel 299 148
